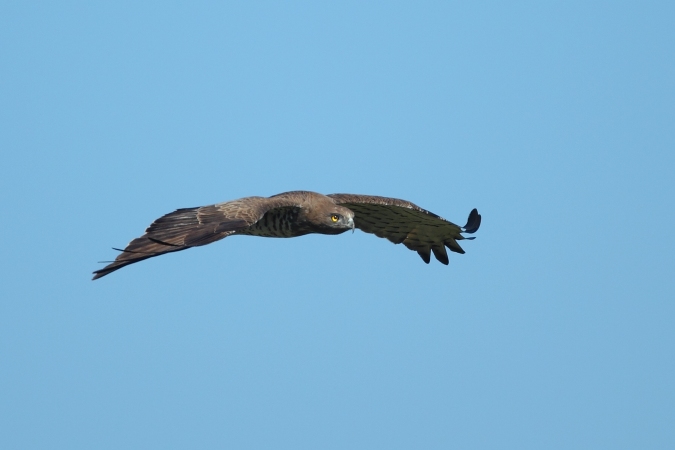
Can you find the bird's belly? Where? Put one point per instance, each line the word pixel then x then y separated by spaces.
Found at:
pixel 268 232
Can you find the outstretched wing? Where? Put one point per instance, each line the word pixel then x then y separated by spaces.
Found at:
pixel 192 227
pixel 403 222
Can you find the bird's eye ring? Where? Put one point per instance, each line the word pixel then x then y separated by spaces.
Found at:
pixel 334 218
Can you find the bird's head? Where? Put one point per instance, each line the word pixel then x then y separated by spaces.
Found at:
pixel 341 219
pixel 330 218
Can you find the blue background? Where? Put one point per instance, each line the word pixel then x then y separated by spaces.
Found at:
pixel 555 329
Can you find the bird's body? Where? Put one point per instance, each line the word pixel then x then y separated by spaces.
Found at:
pixel 294 214
pixel 280 222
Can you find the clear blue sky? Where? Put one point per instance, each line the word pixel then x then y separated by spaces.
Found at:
pixel 555 330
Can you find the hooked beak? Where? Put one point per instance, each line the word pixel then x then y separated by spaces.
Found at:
pixel 351 222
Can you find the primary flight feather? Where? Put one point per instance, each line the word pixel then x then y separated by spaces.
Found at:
pixel 297 213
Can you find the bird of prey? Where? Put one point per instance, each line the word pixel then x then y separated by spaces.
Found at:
pixel 297 213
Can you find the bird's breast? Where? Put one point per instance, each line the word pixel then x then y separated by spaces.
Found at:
pixel 281 223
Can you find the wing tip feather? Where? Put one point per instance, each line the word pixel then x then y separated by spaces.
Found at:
pixel 441 255
pixel 473 222
pixel 425 255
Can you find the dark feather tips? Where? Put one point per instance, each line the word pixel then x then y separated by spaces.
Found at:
pixel 473 222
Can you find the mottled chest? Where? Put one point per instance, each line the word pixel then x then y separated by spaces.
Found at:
pixel 281 222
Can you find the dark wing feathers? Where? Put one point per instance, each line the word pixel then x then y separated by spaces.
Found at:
pixel 405 223
pixel 174 232
pixel 192 227
pixel 440 254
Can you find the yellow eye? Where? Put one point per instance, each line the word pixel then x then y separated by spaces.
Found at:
pixel 334 218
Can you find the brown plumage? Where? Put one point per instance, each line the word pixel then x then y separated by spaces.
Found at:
pixel 294 214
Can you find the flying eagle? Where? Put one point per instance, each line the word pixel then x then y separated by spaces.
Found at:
pixel 294 214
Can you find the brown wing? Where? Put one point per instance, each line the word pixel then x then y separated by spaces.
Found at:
pixel 192 227
pixel 403 222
